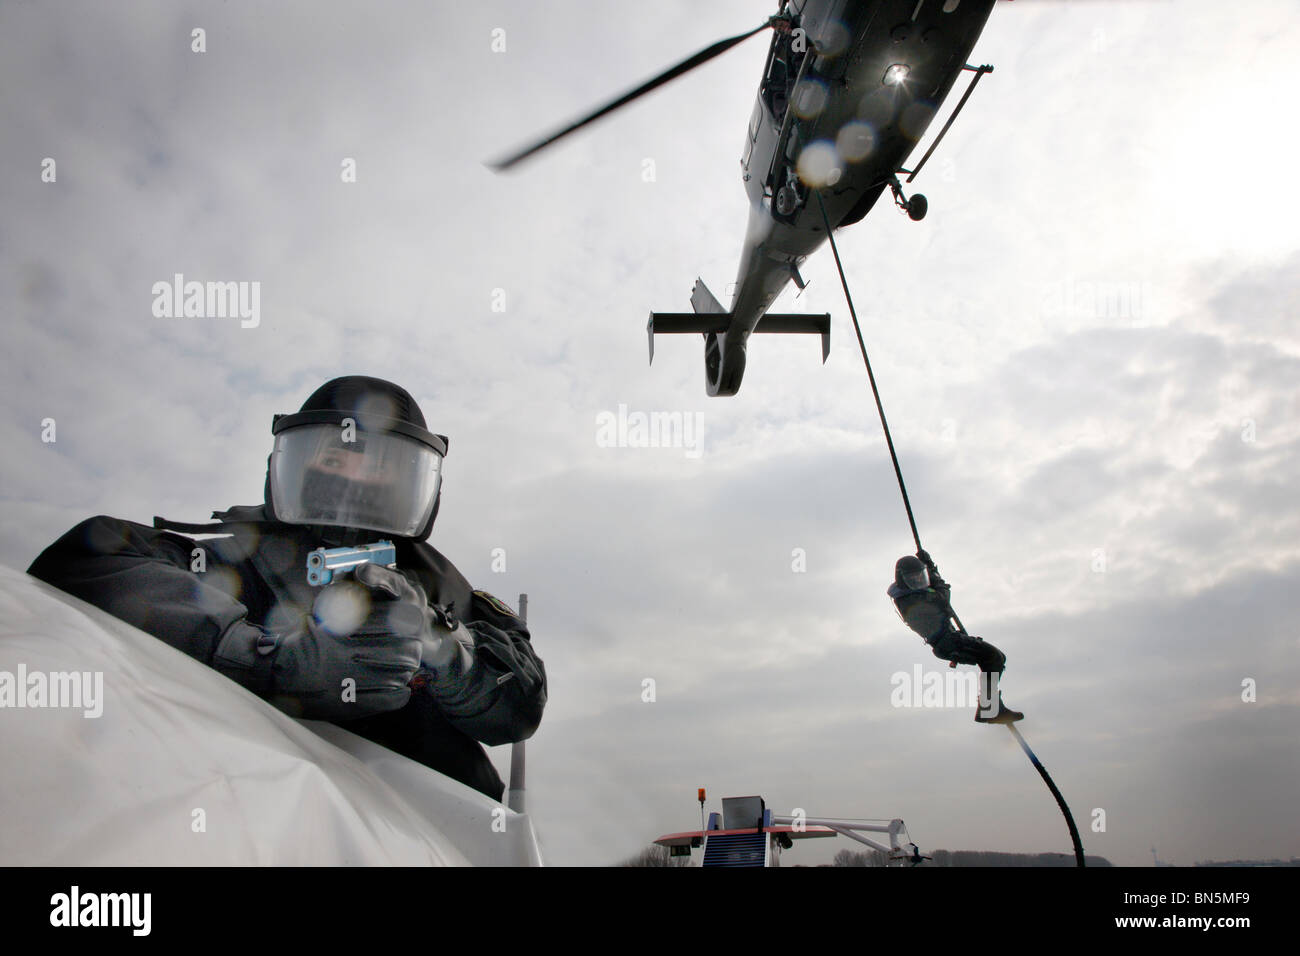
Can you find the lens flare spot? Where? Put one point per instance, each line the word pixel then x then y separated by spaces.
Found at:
pixel 831 38
pixel 855 141
pixel 810 98
pixel 222 579
pixel 878 107
pixel 376 408
pixel 244 544
pixel 759 226
pixel 819 164
pixel 340 608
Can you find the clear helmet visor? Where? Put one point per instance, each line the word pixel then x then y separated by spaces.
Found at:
pixel 915 578
pixel 377 481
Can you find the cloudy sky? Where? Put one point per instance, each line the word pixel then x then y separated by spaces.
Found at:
pixel 1088 353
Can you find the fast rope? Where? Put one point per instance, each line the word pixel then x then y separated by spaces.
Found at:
pixel 898 472
pixel 889 440
pixel 1060 800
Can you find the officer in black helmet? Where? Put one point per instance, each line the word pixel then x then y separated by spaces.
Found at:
pixel 920 596
pixel 411 656
pixel 357 457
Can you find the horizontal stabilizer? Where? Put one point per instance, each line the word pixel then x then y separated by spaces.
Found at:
pixel 669 322
pixel 709 316
pixel 799 322
pixel 666 323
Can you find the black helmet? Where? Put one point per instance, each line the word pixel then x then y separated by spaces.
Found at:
pixel 357 455
pixel 910 572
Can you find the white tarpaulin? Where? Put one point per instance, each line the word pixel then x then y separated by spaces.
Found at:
pixel 184 767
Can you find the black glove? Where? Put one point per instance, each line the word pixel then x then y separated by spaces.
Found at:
pixel 936 580
pixel 354 656
pixel 357 653
pixel 443 641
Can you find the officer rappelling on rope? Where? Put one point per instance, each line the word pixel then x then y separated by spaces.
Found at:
pixel 921 595
pixel 921 598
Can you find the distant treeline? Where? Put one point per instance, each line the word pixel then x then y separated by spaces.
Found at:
pixel 659 856
pixel 971 858
pixel 1294 861
pixel 654 855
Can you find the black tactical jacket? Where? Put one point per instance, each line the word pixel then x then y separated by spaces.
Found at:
pixel 255 577
pixel 925 610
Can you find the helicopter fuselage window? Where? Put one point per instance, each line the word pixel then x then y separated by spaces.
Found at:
pixel 776 85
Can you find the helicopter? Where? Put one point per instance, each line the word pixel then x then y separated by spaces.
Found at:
pixel 848 90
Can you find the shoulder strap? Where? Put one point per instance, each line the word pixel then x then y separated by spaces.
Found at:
pixel 225 521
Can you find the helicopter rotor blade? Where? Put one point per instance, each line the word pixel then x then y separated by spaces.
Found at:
pixel 690 63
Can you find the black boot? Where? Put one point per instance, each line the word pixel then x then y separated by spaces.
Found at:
pixel 1005 714
pixel 989 681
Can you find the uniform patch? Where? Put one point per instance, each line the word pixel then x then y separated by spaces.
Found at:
pixel 496 604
